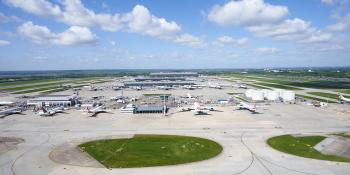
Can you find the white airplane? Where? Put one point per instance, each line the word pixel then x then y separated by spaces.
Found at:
pixel 6 103
pixel 198 109
pixel 245 106
pixel 96 88
pixel 216 86
pixel 95 111
pixel 189 96
pixel 242 86
pixel 119 97
pixel 343 99
pixel 189 87
pixel 10 111
pixel 164 87
pixel 51 112
pixel 116 88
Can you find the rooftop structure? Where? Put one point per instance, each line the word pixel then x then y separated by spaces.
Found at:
pixel 175 74
pixel 157 83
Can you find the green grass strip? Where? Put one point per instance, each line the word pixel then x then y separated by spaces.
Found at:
pixel 151 150
pixel 279 86
pixel 327 95
pixel 302 146
pixel 315 98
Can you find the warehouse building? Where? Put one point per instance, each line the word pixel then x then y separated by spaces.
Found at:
pixel 53 100
pixel 175 74
pixel 157 83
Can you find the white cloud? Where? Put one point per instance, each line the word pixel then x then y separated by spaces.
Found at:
pixel 189 40
pixel 266 50
pixel 342 25
pixel 296 30
pixel 227 40
pixel 75 13
pixel 266 20
pixel 4 18
pixel 113 43
pixel 242 41
pixel 75 35
pixel 139 20
pixel 4 42
pixel 37 7
pixel 328 2
pixel 247 13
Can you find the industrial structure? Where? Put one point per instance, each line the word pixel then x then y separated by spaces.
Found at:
pixel 270 95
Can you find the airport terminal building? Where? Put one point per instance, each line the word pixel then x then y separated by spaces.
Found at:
pixel 160 79
pixel 157 83
pixel 53 100
pixel 175 74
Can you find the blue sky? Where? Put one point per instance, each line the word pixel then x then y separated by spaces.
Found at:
pixel 106 34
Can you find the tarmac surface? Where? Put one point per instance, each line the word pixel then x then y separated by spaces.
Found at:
pixel 49 142
pixel 242 135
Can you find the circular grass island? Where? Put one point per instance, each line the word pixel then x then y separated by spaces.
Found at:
pixel 151 150
pixel 303 147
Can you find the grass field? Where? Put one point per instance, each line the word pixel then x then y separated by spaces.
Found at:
pixel 37 90
pixel 22 82
pixel 279 86
pixel 151 150
pixel 302 146
pixel 327 95
pixel 315 98
pixel 35 86
pixel 344 91
pixel 53 91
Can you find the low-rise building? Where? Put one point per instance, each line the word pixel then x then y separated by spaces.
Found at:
pixel 53 100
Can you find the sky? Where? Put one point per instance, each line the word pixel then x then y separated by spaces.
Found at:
pixel 176 34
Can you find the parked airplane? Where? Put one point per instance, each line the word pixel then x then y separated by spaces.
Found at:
pixel 245 106
pixel 51 112
pixel 95 88
pixel 164 87
pixel 10 111
pixel 343 99
pixel 119 97
pixel 242 86
pixel 190 87
pixel 198 109
pixel 95 111
pixel 216 86
pixel 6 103
pixel 189 96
